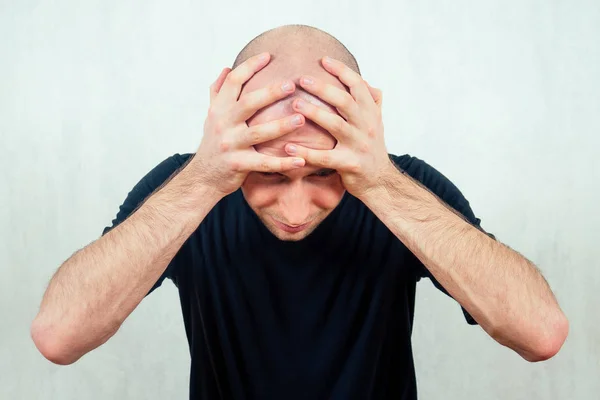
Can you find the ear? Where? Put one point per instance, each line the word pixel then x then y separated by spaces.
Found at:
pixel 376 94
pixel 216 86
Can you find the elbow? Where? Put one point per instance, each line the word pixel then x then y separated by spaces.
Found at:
pixel 62 345
pixel 50 345
pixel 554 336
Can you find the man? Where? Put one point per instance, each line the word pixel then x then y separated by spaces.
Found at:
pixel 296 241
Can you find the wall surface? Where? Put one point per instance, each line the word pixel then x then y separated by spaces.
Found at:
pixel 501 97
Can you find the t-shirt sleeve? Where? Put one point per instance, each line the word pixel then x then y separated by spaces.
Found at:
pixel 140 192
pixel 447 192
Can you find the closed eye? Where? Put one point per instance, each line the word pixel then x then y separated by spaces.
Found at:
pixel 270 173
pixel 324 173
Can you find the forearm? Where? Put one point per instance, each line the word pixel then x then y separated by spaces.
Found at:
pixel 502 290
pixel 94 291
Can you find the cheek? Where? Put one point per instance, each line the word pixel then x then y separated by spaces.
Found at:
pixel 326 196
pixel 322 194
pixel 257 193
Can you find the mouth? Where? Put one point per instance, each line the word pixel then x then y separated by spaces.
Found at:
pixel 290 228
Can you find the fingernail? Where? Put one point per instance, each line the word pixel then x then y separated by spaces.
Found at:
pixel 298 162
pixel 307 81
pixel 292 149
pixel 286 87
pixel 263 57
pixel 297 120
pixel 300 104
pixel 328 60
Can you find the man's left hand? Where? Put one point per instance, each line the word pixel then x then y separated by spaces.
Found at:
pixel 360 156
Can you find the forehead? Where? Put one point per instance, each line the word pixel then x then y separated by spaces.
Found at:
pixel 279 69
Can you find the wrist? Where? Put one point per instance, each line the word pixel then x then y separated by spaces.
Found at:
pixel 380 189
pixel 192 182
pixel 186 195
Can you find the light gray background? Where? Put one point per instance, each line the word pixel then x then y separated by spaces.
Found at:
pixel 501 97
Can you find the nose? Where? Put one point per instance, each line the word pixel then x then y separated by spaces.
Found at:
pixel 294 204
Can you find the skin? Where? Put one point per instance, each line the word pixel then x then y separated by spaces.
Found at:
pixel 99 286
pixel 307 195
pixel 502 290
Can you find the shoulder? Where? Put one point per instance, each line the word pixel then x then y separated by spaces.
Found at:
pixel 158 175
pixel 436 182
pixel 164 169
pixel 422 171
pixel 149 183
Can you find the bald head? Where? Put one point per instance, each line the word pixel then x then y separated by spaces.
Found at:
pixel 306 195
pixel 285 41
pixel 295 50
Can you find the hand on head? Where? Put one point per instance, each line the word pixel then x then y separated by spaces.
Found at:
pixel 269 115
pixel 226 154
pixel 360 155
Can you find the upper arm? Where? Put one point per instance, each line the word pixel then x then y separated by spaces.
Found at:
pixel 146 186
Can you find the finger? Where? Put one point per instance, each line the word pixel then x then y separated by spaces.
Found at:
pixel 331 159
pixel 268 131
pixel 340 99
pixel 351 79
pixel 263 163
pixel 216 86
pixel 376 94
pixel 331 122
pixel 235 79
pixel 251 102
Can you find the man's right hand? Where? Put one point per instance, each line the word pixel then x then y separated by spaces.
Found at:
pixel 226 154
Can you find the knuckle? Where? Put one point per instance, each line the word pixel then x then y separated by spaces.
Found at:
pixel 364 148
pixel 353 79
pixel 234 78
pixel 212 112
pixel 254 136
pixel 284 125
pixel 326 159
pixel 245 102
pixel 219 127
pixel 338 125
pixel 234 165
pixel 266 166
pixel 224 146
pixel 354 167
pixel 371 132
pixel 347 101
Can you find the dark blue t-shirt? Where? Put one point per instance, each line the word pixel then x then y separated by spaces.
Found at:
pixel 329 317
